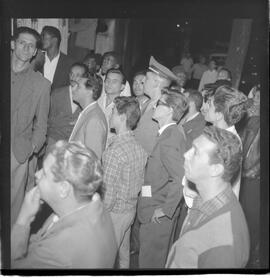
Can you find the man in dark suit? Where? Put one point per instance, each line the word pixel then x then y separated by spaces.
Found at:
pixel 30 101
pixel 193 122
pixel 57 64
pixel 63 111
pixel 162 190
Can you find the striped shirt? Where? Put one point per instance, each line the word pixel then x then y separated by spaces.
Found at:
pixel 123 163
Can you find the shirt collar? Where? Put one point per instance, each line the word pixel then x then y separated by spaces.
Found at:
pixel 121 136
pixel 192 117
pixel 214 204
pixel 88 106
pixel 160 131
pixel 55 58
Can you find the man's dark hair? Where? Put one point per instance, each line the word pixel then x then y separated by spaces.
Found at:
pixel 177 101
pixel 228 72
pixel 231 103
pixel 114 54
pixel 27 30
pixel 53 32
pixel 91 55
pixel 228 150
pixel 141 72
pixel 81 65
pixel 95 83
pixel 117 71
pixel 196 97
pixel 131 108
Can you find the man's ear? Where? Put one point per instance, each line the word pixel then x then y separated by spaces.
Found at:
pixel 123 117
pixel 12 44
pixel 219 116
pixel 64 189
pixel 34 54
pixel 122 87
pixel 217 170
pixel 117 66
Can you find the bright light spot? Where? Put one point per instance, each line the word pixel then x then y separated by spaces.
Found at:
pixel 178 25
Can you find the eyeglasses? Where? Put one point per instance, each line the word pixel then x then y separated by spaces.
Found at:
pixel 160 102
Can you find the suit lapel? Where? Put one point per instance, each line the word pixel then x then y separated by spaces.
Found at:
pixel 81 120
pixel 58 68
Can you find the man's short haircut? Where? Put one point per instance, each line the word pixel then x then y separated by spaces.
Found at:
pixel 228 72
pixel 91 55
pixel 95 83
pixel 118 71
pixel 131 108
pixel 27 30
pixel 196 97
pixel 79 166
pixel 81 65
pixel 113 54
pixel 228 150
pixel 53 32
pixel 177 101
pixel 141 72
pixel 231 103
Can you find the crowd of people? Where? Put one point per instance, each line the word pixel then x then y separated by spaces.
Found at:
pixel 165 168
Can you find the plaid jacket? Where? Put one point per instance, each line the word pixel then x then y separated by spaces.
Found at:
pixel 123 163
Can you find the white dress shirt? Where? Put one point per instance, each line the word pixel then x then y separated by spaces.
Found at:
pixel 207 78
pixel 50 66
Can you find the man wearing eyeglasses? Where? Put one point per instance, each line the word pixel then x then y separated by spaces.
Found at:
pixel 79 233
pixel 162 190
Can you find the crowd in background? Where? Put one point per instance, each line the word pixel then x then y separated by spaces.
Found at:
pixel 161 171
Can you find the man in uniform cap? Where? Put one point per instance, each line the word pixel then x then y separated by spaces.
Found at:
pixel 157 78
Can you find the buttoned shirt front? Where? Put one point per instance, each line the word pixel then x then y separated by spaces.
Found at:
pixel 123 163
pixel 50 66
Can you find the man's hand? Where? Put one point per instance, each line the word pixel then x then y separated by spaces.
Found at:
pixel 29 207
pixel 157 214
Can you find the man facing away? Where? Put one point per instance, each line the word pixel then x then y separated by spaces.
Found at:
pixel 57 64
pixel 91 127
pixel 124 161
pixel 162 191
pixel 30 100
pixel 215 233
pixel 79 233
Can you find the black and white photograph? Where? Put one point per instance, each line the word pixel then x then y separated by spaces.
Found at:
pixel 130 137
